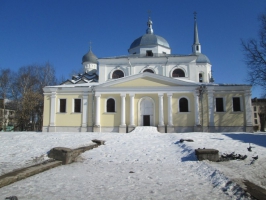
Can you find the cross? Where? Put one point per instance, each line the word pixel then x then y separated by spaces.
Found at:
pixel 195 15
pixel 90 45
pixel 149 12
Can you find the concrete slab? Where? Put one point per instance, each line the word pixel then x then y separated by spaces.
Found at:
pixel 255 190
pixel 207 154
pixel 20 174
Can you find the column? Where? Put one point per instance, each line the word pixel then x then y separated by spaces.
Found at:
pixel 248 110
pixel 132 110
pixel 123 110
pixel 211 107
pixel 85 110
pixel 123 126
pixel 170 115
pixel 97 111
pixel 52 109
pixel 196 100
pixel 161 120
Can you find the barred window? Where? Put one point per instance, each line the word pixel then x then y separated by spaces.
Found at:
pixel 183 105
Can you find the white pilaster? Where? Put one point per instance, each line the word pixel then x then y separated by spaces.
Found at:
pixel 196 100
pixel 132 110
pixel 97 111
pixel 170 116
pixel 85 110
pixel 211 107
pixel 123 109
pixel 248 110
pixel 52 109
pixel 161 118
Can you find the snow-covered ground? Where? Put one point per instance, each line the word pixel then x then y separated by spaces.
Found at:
pixel 143 164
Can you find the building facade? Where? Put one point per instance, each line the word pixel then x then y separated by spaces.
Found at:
pixel 148 87
pixel 259 114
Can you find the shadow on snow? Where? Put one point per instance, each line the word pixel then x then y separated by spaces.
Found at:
pixel 255 138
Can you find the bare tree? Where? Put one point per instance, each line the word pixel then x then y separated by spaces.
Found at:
pixel 5 82
pixel 28 95
pixel 255 56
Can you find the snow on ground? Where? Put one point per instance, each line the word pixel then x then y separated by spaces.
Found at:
pixel 143 164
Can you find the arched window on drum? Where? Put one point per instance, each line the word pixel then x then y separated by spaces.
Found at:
pixel 117 74
pixel 178 73
pixel 149 70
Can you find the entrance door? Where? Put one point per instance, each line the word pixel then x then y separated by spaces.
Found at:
pixel 146 112
pixel 146 120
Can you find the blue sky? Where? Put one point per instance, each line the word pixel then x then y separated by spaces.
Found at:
pixel 59 31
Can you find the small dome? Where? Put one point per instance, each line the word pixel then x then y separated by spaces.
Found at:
pixel 149 39
pixel 202 58
pixel 89 57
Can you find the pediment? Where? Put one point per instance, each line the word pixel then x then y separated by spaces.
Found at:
pixel 147 80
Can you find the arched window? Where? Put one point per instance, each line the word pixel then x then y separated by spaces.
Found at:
pixel 117 74
pixel 110 105
pixel 183 105
pixel 148 70
pixel 178 73
pixel 200 78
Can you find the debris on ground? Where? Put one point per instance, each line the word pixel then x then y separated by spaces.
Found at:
pixel 232 156
pixel 187 140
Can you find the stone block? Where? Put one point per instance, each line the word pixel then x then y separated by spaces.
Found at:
pixel 122 129
pixel 99 142
pixel 63 154
pixel 207 154
pixel 170 129
pixel 161 129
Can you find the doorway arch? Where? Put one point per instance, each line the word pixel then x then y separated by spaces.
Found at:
pixel 146 112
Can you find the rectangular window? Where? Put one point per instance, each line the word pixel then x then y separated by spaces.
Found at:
pixel 236 104
pixel 256 121
pixel 255 108
pixel 255 115
pixel 219 105
pixel 77 105
pixel 149 53
pixel 62 105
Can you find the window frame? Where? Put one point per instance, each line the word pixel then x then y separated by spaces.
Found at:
pixel 240 104
pixel 149 53
pixel 74 105
pixel 106 107
pixel 148 69
pixel 115 71
pixel 201 77
pixel 223 103
pixel 59 105
pixel 188 105
pixel 178 76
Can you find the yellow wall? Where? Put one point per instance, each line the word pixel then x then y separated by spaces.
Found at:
pixel 230 118
pixel 110 119
pixel 147 82
pixel 183 118
pixel 46 110
pixel 69 118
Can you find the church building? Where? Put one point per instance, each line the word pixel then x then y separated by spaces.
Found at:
pixel 148 87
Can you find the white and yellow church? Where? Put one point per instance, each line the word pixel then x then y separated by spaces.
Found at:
pixel 148 87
